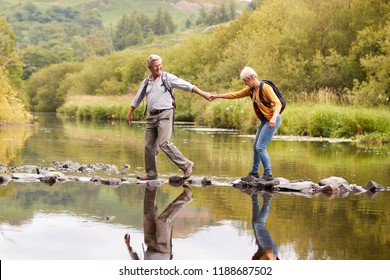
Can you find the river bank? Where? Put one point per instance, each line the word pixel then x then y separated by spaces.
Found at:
pixel 366 125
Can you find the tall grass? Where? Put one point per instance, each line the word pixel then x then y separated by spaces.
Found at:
pixel 306 118
pixel 99 108
pixel 334 121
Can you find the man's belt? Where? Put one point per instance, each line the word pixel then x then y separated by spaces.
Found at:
pixel 156 112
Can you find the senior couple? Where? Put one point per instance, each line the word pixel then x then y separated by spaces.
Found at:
pixel 159 121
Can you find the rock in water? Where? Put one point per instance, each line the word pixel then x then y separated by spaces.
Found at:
pixel 176 181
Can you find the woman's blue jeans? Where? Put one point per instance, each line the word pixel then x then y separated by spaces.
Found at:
pixel 263 136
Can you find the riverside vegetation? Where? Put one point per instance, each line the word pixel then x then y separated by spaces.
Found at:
pixel 330 58
pixel 307 118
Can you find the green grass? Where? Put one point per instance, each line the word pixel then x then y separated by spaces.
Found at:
pixel 368 125
pixel 100 108
pixel 334 121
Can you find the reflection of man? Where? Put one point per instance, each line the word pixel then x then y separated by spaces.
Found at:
pixel 158 229
pixel 267 249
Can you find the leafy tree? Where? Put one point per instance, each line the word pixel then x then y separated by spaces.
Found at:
pixel 159 26
pixel 99 45
pixel 35 58
pixel 8 54
pixel 232 10
pixel 373 48
pixel 12 109
pixel 254 4
pixel 131 30
pixel 332 69
pixel 217 15
pixel 202 16
pixel 168 21
pixel 134 29
pixel 297 43
pixel 43 86
pixel 122 29
pixel 61 34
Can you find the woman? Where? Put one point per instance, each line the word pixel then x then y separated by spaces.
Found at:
pixel 270 120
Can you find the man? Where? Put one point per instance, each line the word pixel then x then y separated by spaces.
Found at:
pixel 159 122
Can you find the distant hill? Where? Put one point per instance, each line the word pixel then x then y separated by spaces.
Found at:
pixel 112 10
pixel 49 32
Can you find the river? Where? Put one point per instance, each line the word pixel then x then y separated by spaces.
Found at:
pixel 79 220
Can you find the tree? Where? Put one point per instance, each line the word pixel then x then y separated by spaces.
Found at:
pixel 8 55
pixel 57 34
pixel 35 58
pixel 202 17
pixel 171 27
pixel 232 10
pixel 163 23
pixel 254 4
pixel 12 110
pixel 159 27
pixel 122 29
pixel 44 86
pixel 373 48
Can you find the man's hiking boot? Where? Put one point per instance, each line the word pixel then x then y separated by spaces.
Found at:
pixel 146 178
pixel 188 172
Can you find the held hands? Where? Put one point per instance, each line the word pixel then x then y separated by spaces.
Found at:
pixel 206 95
pixel 213 97
pixel 209 97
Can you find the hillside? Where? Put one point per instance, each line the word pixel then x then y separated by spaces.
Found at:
pixel 49 32
pixel 112 10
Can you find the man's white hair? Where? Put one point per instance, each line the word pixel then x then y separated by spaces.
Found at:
pixel 153 57
pixel 247 72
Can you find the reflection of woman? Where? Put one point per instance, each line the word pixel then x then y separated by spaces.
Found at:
pixel 158 229
pixel 267 249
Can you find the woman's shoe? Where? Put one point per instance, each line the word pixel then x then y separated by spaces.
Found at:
pixel 267 178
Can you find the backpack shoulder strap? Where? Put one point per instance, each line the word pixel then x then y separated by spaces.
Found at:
pixel 164 78
pixel 146 82
pixel 263 81
pixel 168 88
pixel 269 82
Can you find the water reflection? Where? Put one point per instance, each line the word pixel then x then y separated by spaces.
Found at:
pixel 267 248
pixel 158 228
pixel 12 141
pixel 69 219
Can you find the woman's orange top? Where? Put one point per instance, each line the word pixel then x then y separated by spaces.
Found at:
pixel 268 96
